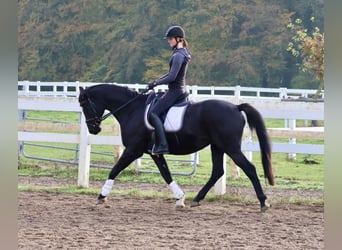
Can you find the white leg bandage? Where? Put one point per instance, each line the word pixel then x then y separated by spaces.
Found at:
pixel 107 187
pixel 177 192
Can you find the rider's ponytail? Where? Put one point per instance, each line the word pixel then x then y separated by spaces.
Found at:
pixel 185 43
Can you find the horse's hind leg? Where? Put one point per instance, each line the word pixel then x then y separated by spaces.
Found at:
pixel 166 174
pixel 217 172
pixel 249 169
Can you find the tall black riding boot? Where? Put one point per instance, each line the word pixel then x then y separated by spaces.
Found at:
pixel 160 144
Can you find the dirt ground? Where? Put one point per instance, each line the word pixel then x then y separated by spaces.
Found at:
pixel 72 221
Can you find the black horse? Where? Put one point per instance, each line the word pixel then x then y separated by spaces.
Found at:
pixel 216 123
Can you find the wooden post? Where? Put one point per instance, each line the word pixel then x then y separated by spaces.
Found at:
pixel 84 155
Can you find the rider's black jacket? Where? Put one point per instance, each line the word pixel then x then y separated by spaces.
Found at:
pixel 175 79
pixel 179 61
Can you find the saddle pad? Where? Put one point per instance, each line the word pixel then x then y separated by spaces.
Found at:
pixel 173 121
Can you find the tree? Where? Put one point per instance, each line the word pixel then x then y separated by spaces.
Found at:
pixel 231 41
pixel 310 47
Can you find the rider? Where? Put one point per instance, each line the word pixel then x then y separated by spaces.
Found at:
pixel 175 79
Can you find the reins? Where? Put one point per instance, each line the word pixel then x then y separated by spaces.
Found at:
pixel 118 109
pixel 123 105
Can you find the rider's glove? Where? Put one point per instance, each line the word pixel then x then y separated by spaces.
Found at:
pixel 151 85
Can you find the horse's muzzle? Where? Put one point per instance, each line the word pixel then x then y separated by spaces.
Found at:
pixel 94 130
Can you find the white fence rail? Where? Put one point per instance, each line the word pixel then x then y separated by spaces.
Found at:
pixel 33 96
pixel 70 89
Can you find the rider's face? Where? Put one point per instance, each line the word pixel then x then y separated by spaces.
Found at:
pixel 172 41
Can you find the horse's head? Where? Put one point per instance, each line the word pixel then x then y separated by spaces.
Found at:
pixel 92 112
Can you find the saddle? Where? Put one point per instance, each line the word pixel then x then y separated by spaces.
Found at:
pixel 173 117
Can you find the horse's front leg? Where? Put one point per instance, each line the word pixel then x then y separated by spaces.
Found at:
pixel 166 174
pixel 127 157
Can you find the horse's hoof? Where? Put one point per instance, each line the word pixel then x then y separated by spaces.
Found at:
pixel 265 207
pixel 180 203
pixel 195 204
pixel 101 199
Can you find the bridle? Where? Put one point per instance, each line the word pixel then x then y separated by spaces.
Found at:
pixel 97 120
pixel 91 108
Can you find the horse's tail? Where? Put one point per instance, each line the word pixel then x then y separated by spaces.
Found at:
pixel 256 122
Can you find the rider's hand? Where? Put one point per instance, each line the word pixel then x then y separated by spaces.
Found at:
pixel 151 85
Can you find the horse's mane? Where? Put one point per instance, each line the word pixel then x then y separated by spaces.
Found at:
pixel 121 90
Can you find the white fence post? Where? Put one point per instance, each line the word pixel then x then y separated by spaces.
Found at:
pixel 220 185
pixel 194 89
pixel 212 90
pixel 249 154
pixel 65 89
pixel 292 126
pixel 237 94
pixel 38 88
pixel 26 88
pixel 137 163
pixel 194 158
pixel 283 93
pixel 84 155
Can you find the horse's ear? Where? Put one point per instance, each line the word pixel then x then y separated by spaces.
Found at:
pixel 81 89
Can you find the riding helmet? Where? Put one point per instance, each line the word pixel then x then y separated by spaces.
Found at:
pixel 174 31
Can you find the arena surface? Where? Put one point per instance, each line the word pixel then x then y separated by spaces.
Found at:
pixel 73 221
